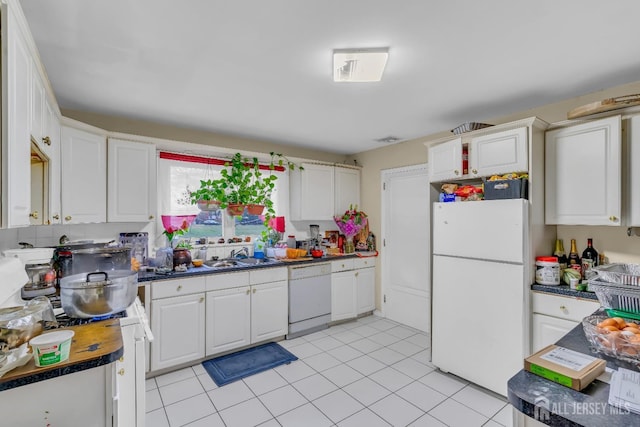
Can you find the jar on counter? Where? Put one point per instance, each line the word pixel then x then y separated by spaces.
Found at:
pixel 291 242
pixel 547 270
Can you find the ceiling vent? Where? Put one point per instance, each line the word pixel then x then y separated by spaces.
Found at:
pixel 389 139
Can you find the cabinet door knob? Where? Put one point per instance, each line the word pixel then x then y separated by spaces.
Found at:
pixel 46 140
pixel 357 274
pixel 201 299
pixel 248 291
pixel 121 371
pixel 457 172
pixel 67 218
pixel 151 217
pixel 474 171
pixel 121 359
pixel 179 288
pixel 254 290
pixel 563 308
pixel 613 218
pixel 56 217
pixel 34 215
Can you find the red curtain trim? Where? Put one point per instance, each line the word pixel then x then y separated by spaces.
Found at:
pixel 207 160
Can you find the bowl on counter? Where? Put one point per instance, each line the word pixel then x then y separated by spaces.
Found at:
pixel 317 253
pixel 197 262
pixel 622 343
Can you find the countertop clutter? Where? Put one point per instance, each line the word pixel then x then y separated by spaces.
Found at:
pixel 94 344
pixel 557 405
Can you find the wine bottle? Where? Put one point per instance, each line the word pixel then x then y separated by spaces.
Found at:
pixel 559 253
pixel 574 259
pixel 589 258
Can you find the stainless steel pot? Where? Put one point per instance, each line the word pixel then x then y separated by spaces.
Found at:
pixel 100 293
pixel 100 259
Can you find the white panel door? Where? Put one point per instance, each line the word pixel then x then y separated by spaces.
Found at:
pixel 499 153
pixel 16 197
pixel 84 177
pixel 269 310
pixel 445 161
pixel 583 173
pixel 489 229
pixel 178 328
pixel 405 248
pixel 228 319
pixel 487 297
pixel 347 189
pixel 343 295
pixel 548 330
pixel 131 181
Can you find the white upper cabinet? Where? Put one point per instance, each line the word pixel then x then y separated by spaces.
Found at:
pixel 499 153
pixel 84 176
pixel 632 192
pixel 347 189
pixel 51 148
pixel 16 179
pixel 583 173
pixel 445 161
pixel 131 184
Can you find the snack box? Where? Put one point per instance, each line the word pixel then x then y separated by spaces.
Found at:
pixel 563 366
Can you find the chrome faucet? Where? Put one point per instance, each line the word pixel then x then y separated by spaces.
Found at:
pixel 236 254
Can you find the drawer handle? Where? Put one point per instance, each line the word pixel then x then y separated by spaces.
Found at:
pixel 179 288
pixel 121 371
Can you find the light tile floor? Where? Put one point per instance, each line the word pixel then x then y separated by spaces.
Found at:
pixel 370 372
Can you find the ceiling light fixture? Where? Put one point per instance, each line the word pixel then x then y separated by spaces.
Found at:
pixel 359 65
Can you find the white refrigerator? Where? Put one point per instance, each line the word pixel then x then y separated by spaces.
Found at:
pixel 479 293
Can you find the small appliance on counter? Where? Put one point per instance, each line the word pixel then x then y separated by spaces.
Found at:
pixel 41 276
pixel 139 243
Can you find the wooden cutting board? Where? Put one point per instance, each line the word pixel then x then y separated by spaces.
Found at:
pixel 608 104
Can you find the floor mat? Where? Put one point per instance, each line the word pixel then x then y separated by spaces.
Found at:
pixel 235 366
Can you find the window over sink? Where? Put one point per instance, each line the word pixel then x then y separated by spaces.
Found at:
pixel 176 178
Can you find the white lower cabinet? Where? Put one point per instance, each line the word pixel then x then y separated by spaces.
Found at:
pixel 269 310
pixel 554 316
pixel 365 290
pixel 343 295
pixel 228 319
pixel 352 287
pixel 177 322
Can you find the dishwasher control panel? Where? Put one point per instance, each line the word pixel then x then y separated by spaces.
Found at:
pixel 309 270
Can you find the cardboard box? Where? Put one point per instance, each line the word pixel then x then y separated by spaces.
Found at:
pixel 563 366
pixel 506 189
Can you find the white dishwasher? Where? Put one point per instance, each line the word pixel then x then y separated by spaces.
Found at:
pixel 309 298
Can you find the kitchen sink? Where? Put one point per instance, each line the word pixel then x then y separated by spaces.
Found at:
pixel 254 261
pixel 221 264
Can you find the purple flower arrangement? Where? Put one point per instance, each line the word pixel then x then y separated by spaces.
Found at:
pixel 351 222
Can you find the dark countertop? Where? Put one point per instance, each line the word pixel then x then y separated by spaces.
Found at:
pixel 93 345
pixel 563 290
pixel 567 407
pixel 144 276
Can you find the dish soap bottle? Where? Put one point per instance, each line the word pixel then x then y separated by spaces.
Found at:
pixel 258 248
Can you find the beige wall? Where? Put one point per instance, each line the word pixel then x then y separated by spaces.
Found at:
pixel 613 241
pixel 156 130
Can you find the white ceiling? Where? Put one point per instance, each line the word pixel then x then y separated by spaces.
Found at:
pixel 262 68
